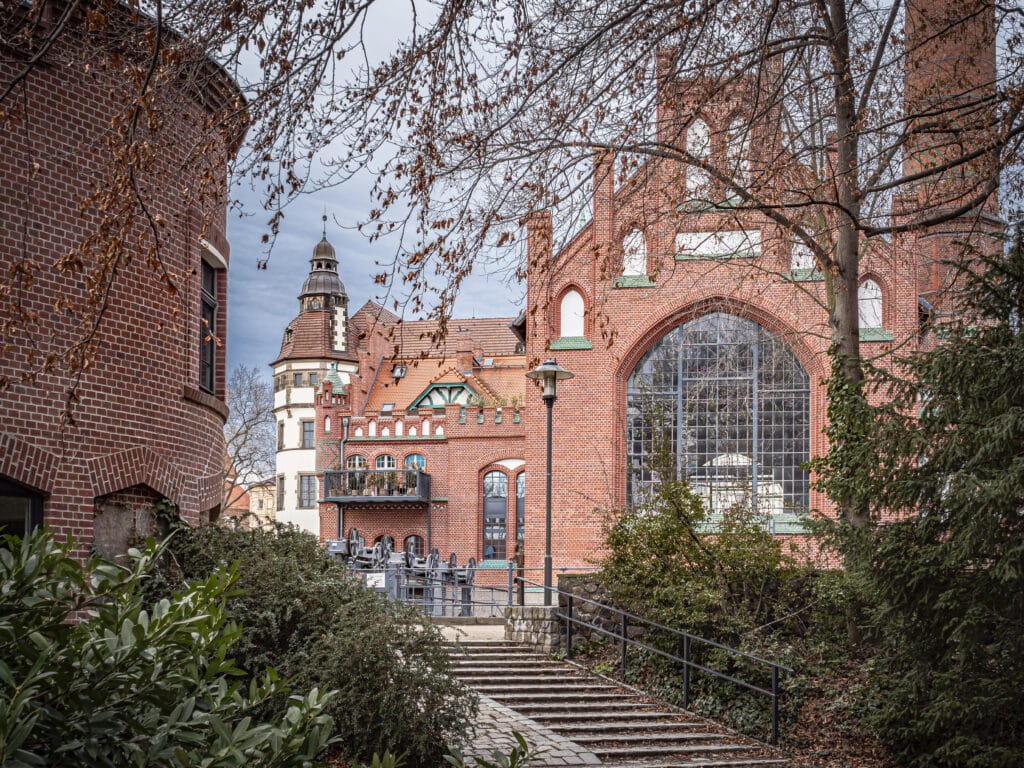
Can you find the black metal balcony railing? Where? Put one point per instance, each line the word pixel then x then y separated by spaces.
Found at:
pixel 369 485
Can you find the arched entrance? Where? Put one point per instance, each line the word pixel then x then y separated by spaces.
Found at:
pixel 722 401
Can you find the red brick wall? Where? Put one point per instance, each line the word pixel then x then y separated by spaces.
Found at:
pixel 140 419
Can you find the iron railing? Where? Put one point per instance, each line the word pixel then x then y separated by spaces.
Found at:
pixel 362 485
pixel 625 620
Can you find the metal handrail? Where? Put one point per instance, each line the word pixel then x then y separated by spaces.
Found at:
pixel 624 622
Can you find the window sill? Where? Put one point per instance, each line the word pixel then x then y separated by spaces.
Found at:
pixel 807 275
pixel 875 334
pixel 570 342
pixel 717 256
pixel 633 281
pixel 199 397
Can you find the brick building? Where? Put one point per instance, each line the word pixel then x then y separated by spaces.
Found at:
pixel 148 409
pixel 690 326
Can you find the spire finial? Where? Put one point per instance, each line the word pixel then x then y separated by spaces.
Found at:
pixel 325 221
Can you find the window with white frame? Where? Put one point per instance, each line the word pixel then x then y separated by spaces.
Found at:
pixel 571 320
pixel 869 304
pixel 634 253
pixel 698 144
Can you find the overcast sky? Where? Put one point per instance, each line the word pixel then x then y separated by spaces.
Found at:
pixel 262 302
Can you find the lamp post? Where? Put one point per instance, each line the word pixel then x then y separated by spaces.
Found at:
pixel 549 373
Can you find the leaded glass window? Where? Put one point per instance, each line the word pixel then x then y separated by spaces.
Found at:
pixel 723 402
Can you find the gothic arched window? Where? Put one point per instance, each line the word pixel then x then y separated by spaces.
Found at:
pixel 723 402
pixel 869 304
pixel 571 315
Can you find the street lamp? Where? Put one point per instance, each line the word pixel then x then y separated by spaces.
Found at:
pixel 549 373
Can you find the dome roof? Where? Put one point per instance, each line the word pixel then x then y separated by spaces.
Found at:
pixel 323 277
pixel 324 250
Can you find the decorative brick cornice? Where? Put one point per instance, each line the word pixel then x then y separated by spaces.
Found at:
pixel 26 464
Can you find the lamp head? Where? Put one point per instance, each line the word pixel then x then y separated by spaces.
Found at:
pixel 549 373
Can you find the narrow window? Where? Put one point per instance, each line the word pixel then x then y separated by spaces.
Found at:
pixel 698 144
pixel 208 330
pixel 571 324
pixel 312 379
pixel 634 253
pixel 307 434
pixel 495 514
pixel 414 544
pixel 280 492
pixel 327 425
pixel 801 257
pixel 296 379
pixel 307 491
pixel 520 507
pixel 280 435
pixel 738 151
pixel 869 304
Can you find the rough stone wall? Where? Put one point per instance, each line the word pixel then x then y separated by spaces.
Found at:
pixel 536 626
pixel 140 417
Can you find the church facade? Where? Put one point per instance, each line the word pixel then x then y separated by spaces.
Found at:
pixel 697 335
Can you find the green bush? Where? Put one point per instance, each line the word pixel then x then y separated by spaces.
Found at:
pixel 130 685
pixel 302 615
pixel 938 472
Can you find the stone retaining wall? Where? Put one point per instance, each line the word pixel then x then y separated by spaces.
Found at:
pixel 536 626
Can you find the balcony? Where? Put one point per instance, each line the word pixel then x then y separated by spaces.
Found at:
pixel 375 486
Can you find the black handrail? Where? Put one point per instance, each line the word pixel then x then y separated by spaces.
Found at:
pixel 626 617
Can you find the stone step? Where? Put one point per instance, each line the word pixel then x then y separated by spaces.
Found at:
pixel 582 685
pixel 573 726
pixel 619 738
pixel 638 718
pixel 559 708
pixel 567 697
pixel 663 750
pixel 484 649
pixel 742 762
pixel 517 673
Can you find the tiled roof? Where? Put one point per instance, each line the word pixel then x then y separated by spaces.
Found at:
pixel 309 336
pixel 506 380
pixel 422 338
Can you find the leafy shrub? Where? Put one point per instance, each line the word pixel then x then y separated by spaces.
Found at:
pixel 129 686
pixel 304 616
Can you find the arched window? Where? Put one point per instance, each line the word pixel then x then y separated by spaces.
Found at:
pixel 386 541
pixel 385 432
pixel 571 321
pixel 356 462
pixel 327 425
pixel 415 461
pixel 732 404
pixel 495 514
pixel 634 254
pixel 869 304
pixel 358 432
pixel 698 144
pixel 520 507
pixel 372 428
pixel 385 461
pixel 738 150
pixel 399 428
pixel 412 431
pixel 415 544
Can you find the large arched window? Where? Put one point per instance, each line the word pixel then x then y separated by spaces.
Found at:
pixel 495 514
pixel 698 144
pixel 385 461
pixel 415 545
pixel 869 304
pixel 356 462
pixel 571 324
pixel 723 402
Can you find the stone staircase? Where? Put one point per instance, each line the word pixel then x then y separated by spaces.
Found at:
pixel 616 724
